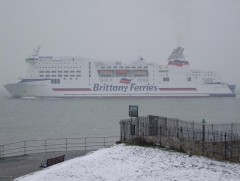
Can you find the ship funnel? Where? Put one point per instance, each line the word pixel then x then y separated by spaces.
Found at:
pixel 177 54
pixel 178 49
pixel 181 51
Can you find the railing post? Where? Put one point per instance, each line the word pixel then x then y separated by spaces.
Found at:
pixel 2 151
pixel 203 136
pixel 193 132
pixel 66 144
pixel 85 145
pixel 24 147
pixel 160 136
pixel 45 146
pixel 225 146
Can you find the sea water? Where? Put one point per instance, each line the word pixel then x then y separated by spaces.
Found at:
pixel 43 118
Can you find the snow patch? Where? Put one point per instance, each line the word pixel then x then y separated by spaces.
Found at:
pixel 122 162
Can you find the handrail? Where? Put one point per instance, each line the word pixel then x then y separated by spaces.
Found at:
pixel 6 177
pixel 56 144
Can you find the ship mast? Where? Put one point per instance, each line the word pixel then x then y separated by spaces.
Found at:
pixel 36 51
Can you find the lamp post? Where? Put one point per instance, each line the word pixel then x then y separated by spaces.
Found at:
pixel 203 136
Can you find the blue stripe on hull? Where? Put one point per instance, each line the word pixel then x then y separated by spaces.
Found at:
pixel 223 95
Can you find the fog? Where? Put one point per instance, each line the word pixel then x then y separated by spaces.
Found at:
pixel 116 30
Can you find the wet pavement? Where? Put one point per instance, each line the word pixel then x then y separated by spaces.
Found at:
pixel 14 167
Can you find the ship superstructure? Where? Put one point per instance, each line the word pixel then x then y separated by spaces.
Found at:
pixel 49 76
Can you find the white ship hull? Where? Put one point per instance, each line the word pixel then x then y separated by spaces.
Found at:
pixel 45 90
pixel 78 77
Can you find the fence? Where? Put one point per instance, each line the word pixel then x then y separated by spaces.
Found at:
pixel 214 140
pixel 60 144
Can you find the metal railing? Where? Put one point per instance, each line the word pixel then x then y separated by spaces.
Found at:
pixel 59 144
pixel 6 178
pixel 173 127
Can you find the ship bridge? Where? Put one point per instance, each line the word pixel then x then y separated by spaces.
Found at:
pixel 34 57
pixel 31 59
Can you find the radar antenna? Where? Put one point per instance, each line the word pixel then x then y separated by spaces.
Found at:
pixel 36 51
pixel 140 56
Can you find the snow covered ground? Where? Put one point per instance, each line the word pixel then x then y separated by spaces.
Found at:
pixel 122 162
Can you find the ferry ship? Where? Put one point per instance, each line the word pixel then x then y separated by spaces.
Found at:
pixel 49 76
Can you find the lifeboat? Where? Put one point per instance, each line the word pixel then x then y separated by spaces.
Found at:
pixel 121 72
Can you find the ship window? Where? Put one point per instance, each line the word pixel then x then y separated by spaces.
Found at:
pixel 59 71
pixel 47 71
pixel 78 75
pixel 47 75
pixel 103 67
pixel 108 67
pixel 72 75
pixel 41 71
pixel 65 71
pixel 59 75
pixel 115 67
pixel 41 76
pixel 139 67
pixel 55 81
pixel 146 67
pixel 127 67
pixel 165 79
pixel 78 71
pixel 53 75
pixel 189 79
pixel 133 67
pixel 72 71
pixel 65 75
pixel 121 67
pixel 53 71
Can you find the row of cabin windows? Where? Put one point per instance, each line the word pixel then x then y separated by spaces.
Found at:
pixel 78 71
pixel 76 67
pixel 189 79
pixel 110 80
pixel 109 75
pixel 70 78
pixel 78 75
pixel 207 80
pixel 57 81
pixel 57 63
pixel 121 67
pixel 192 75
pixel 198 75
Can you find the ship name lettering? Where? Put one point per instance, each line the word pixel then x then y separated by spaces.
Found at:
pixel 148 87
pixel 106 87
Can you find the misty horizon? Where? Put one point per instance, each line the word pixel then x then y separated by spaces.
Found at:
pixel 121 31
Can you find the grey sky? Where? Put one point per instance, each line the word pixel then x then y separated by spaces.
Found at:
pixel 119 29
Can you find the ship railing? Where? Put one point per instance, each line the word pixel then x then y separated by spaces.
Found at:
pixel 56 145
